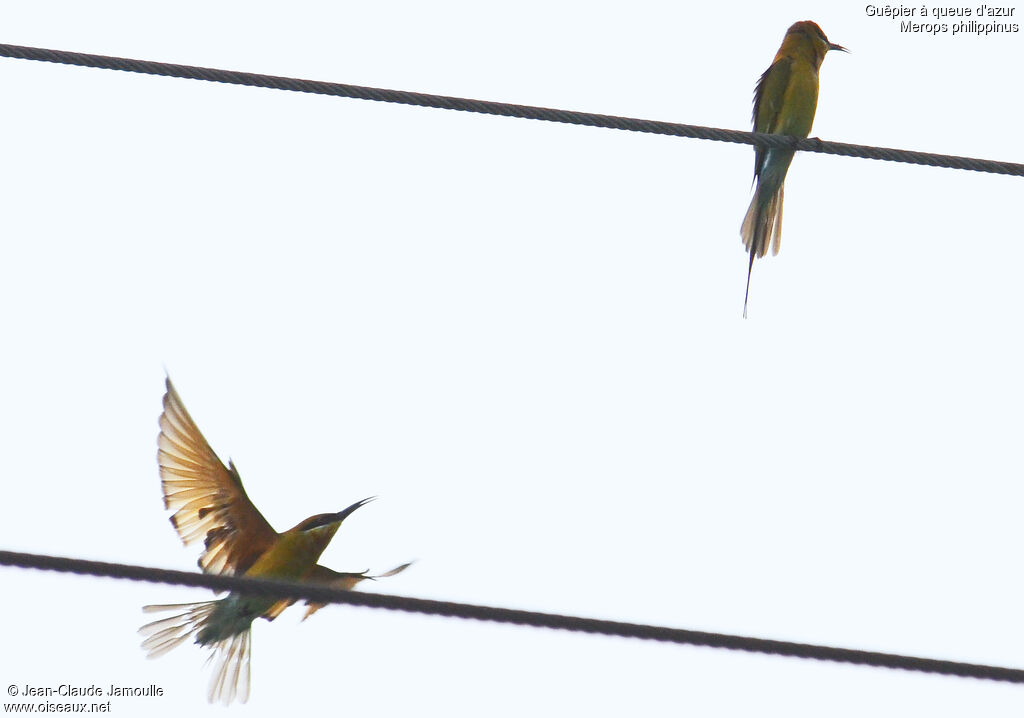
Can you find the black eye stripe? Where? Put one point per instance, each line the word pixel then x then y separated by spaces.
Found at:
pixel 316 521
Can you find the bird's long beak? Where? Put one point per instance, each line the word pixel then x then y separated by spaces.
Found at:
pixel 344 513
pixel 833 46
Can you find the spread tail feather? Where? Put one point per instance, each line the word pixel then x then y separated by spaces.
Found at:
pixel 168 633
pixel 231 655
pixel 231 671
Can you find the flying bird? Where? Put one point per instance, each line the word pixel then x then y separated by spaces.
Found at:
pixel 210 506
pixel 785 99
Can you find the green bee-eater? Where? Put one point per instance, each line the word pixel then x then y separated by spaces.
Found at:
pixel 210 505
pixel 784 103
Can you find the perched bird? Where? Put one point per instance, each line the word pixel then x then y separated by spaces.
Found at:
pixel 210 505
pixel 785 99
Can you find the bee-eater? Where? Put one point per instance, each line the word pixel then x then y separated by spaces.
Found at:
pixel 210 505
pixel 785 99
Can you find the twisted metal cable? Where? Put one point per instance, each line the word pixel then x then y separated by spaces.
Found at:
pixel 505 109
pixel 322 594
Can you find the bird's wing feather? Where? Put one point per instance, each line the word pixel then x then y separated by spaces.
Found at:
pixel 334 579
pixel 768 98
pixel 207 498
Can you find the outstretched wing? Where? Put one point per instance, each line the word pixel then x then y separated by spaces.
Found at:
pixel 344 581
pixel 207 498
pixel 335 579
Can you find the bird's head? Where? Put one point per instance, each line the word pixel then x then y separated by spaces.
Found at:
pixel 322 527
pixel 808 34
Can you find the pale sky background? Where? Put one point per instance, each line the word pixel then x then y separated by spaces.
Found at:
pixel 526 339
